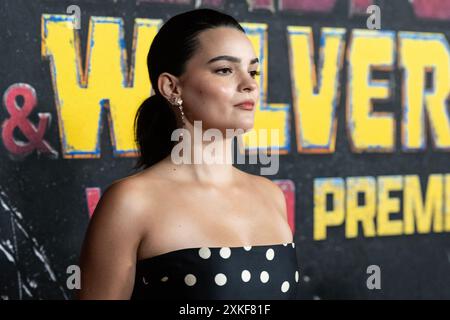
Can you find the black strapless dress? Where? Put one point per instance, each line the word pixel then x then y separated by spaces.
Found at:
pixel 267 272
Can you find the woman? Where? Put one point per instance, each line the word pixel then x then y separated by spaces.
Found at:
pixel 192 231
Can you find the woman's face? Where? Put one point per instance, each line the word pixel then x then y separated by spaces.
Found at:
pixel 212 85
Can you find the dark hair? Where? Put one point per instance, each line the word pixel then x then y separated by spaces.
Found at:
pixel 174 44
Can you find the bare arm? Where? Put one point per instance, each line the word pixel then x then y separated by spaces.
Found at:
pixel 108 255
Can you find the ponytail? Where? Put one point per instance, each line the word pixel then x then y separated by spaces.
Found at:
pixel 153 126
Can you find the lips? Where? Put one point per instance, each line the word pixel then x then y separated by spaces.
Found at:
pixel 246 105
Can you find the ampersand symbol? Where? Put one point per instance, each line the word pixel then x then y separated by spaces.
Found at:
pixel 19 120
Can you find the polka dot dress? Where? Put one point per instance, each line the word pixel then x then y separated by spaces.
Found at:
pixel 249 272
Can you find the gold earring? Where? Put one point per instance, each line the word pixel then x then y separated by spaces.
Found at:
pixel 179 103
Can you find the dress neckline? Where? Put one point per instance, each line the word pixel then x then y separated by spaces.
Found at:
pixel 248 248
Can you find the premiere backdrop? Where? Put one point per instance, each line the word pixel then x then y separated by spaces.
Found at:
pixel 363 115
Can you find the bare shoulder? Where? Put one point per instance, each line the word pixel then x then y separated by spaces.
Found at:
pixel 136 195
pixel 123 197
pixel 272 191
pixel 142 195
pixel 111 241
pixel 121 210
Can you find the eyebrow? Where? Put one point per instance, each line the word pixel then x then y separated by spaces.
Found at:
pixel 232 59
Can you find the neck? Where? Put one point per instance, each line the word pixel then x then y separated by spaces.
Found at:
pixel 205 157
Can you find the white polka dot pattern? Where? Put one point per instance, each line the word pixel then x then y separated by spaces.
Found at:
pixel 255 272
pixel 220 279
pixel 270 254
pixel 264 276
pixel 246 276
pixel 225 252
pixel 204 253
pixel 190 279
pixel 285 286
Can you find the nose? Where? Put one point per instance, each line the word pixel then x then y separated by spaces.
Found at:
pixel 248 83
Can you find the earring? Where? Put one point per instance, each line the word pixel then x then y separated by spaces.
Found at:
pixel 179 103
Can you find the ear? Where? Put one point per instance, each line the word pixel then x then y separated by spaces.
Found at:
pixel 168 85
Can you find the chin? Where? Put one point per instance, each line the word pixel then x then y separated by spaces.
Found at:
pixel 246 125
pixel 245 129
pixel 241 127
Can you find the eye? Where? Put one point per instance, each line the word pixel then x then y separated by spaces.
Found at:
pixel 223 70
pixel 255 73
